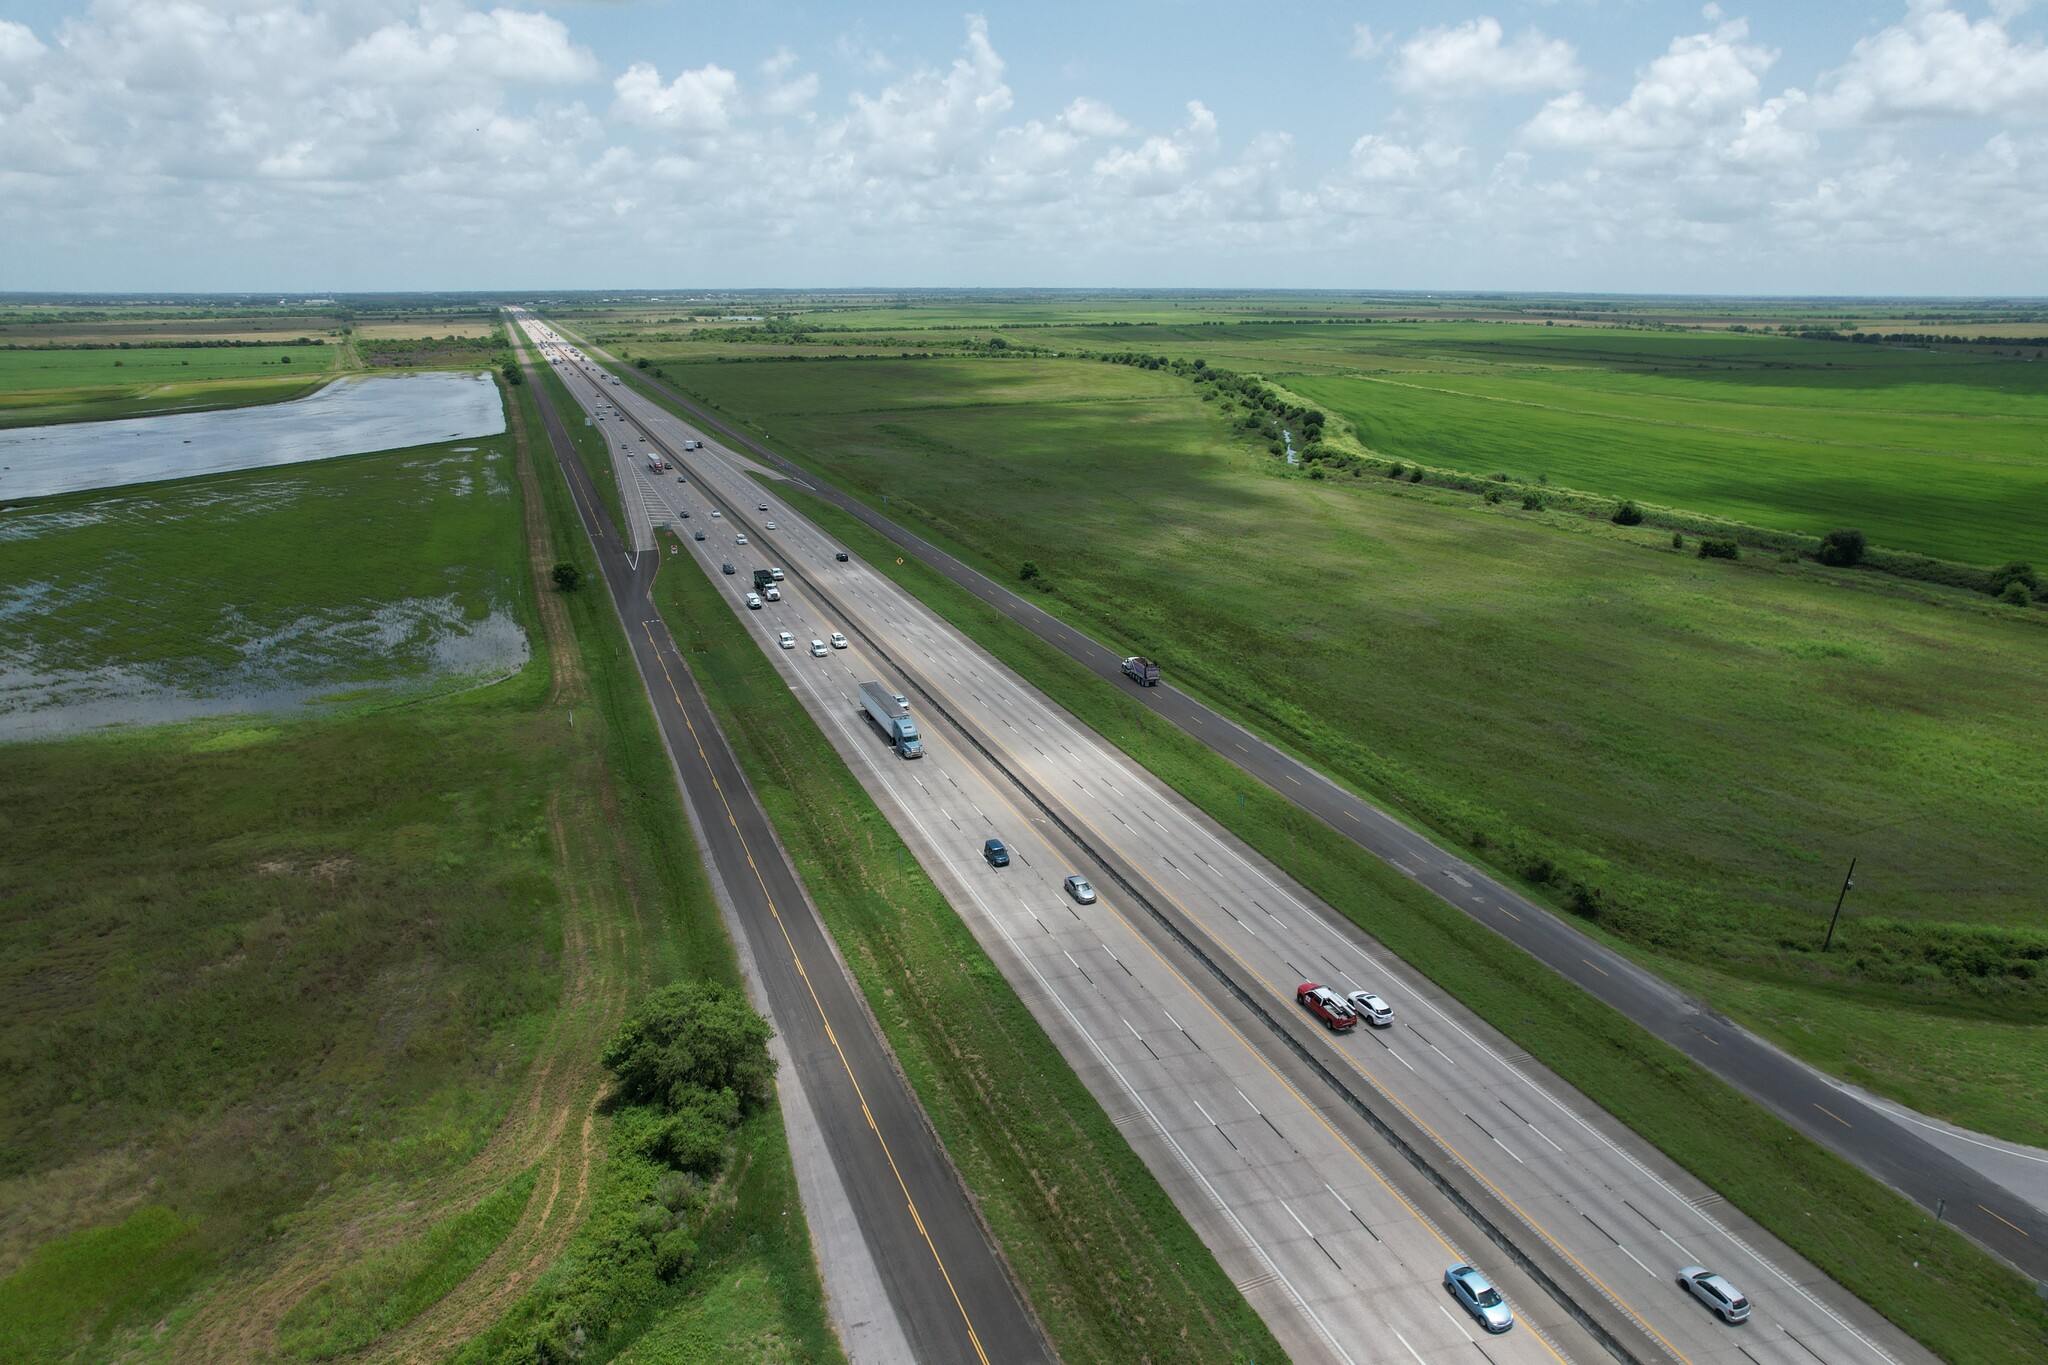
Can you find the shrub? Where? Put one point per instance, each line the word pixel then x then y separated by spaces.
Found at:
pixel 1493 495
pixel 1628 514
pixel 1029 572
pixel 1841 549
pixel 1532 502
pixel 567 577
pixel 2005 575
pixel 513 378
pixel 698 1046
pixel 1415 474
pixel 1396 470
pixel 2015 594
pixel 1678 540
pixel 1719 549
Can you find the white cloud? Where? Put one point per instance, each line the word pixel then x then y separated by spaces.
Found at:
pixel 1702 83
pixel 787 94
pixel 1160 164
pixel 1093 118
pixel 694 102
pixel 1938 63
pixel 1366 44
pixel 504 45
pixel 18 44
pixel 1472 59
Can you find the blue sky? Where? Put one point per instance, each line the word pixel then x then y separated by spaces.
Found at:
pixel 1584 145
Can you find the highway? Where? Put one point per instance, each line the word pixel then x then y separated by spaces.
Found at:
pixel 1905 1156
pixel 953 1295
pixel 1335 1177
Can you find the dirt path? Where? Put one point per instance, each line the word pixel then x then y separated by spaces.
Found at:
pixel 552 1122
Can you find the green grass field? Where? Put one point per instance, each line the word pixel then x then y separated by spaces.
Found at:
pixel 38 386
pixel 295 1002
pixel 1109 1264
pixel 1707 744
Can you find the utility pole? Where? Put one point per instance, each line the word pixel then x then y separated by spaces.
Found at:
pixel 1847 882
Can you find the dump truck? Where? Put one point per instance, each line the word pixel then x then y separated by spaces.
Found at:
pixel 1141 671
pixel 763 577
pixel 890 714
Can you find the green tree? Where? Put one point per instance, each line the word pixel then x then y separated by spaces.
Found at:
pixel 567 577
pixel 1841 549
pixel 2015 594
pixel 1029 572
pixel 695 1047
pixel 1628 514
pixel 2017 571
pixel 513 378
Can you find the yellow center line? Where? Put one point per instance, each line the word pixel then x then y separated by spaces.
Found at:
pixel 1846 1124
pixel 2009 1223
pixel 819 1005
pixel 1594 965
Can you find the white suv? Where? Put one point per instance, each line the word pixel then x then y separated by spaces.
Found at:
pixel 1371 1008
pixel 786 640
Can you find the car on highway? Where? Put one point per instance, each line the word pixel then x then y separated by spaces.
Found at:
pixel 818 650
pixel 753 601
pixel 997 855
pixel 700 535
pixel 681 479
pixel 1371 1008
pixel 730 569
pixel 775 572
pixel 841 556
pixel 1080 890
pixel 716 513
pixel 772 593
pixel 740 539
pixel 1716 1293
pixel 686 511
pixel 1476 1294
pixel 760 506
pixel 769 526
pixel 693 445
pixel 786 640
pixel 1326 1005
pixel 838 640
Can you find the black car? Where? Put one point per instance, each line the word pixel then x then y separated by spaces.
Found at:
pixel 700 535
pixel 730 569
pixel 841 556
pixel 997 855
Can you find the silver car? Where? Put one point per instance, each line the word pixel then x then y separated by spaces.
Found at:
pixel 1080 890
pixel 1479 1298
pixel 1716 1293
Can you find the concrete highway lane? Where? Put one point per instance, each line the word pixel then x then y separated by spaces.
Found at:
pixel 2006 1223
pixel 951 1290
pixel 1278 1141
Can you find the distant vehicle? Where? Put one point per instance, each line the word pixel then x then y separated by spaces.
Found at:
pixel 1326 1005
pixel 615 379
pixel 997 855
pixel 753 601
pixel 1141 671
pixel 693 445
pixel 700 535
pixel 1078 887
pixel 1479 1298
pixel 890 714
pixel 772 593
pixel 1371 1008
pixel 762 578
pixel 686 511
pixel 786 640
pixel 730 569
pixel 775 572
pixel 681 479
pixel 716 513
pixel 818 650
pixel 838 640
pixel 740 539
pixel 769 526
pixel 1716 1293
pixel 760 506
pixel 841 556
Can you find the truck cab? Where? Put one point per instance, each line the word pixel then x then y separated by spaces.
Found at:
pixel 1141 670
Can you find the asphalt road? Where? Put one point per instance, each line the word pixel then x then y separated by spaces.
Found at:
pixel 2003 1222
pixel 1334 1178
pixel 951 1291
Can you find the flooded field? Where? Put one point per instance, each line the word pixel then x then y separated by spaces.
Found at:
pixel 348 417
pixel 391 575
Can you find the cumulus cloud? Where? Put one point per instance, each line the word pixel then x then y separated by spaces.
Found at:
pixel 1939 63
pixel 1702 83
pixel 1474 59
pixel 694 102
pixel 502 46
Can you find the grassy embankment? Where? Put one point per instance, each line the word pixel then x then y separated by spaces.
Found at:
pixel 1707 744
pixel 297 1000
pixel 38 386
pixel 1111 1267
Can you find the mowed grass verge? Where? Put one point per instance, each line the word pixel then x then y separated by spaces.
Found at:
pixel 1111 1267
pixel 1703 745
pixel 1931 1281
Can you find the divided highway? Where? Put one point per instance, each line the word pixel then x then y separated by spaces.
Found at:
pixel 1335 1178
pixel 1838 1118
pixel 951 1291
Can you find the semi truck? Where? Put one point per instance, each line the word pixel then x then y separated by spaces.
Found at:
pixel 890 714
pixel 1141 671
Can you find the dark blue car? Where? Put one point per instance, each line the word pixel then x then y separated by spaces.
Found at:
pixel 997 855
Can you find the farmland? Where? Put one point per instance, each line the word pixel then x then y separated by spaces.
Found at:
pixel 1706 744
pixel 306 1006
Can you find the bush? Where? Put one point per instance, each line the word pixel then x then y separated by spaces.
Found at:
pixel 1719 549
pixel 1841 549
pixel 697 1046
pixel 1415 474
pixel 2015 594
pixel 2004 576
pixel 1628 514
pixel 513 378
pixel 1029 572
pixel 1678 540
pixel 1396 470
pixel 1532 502
pixel 567 577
